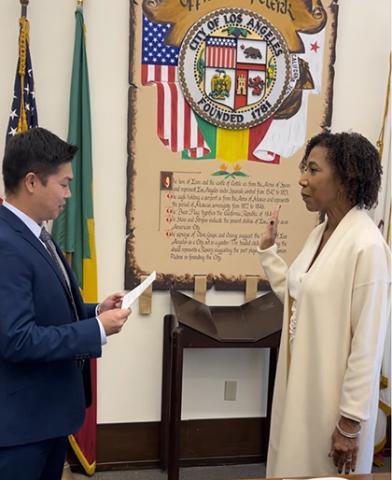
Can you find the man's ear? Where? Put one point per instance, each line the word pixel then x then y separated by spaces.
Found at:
pixel 30 181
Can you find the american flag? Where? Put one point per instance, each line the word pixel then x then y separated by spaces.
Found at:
pixel 177 126
pixel 221 52
pixel 23 111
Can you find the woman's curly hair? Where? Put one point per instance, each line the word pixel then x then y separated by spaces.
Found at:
pixel 356 162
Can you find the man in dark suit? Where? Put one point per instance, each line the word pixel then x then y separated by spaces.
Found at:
pixel 46 331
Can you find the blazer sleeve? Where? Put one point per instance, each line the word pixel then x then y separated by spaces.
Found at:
pixel 90 309
pixel 22 337
pixel 275 269
pixel 370 309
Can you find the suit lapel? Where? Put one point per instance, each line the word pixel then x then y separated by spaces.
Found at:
pixel 75 292
pixel 29 237
pixel 333 241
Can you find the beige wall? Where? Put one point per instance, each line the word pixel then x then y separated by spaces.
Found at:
pixel 130 371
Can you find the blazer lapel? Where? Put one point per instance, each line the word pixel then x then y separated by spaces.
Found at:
pixel 29 237
pixel 333 241
pixel 75 292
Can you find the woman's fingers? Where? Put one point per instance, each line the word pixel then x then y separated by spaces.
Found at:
pixel 275 214
pixel 354 461
pixel 344 452
pixel 274 220
pixel 268 236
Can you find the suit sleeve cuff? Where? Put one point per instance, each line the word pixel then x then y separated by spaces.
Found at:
pixel 104 339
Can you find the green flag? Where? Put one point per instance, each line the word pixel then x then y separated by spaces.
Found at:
pixel 74 228
pixel 70 229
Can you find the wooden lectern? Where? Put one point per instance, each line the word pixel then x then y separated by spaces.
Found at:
pixel 256 324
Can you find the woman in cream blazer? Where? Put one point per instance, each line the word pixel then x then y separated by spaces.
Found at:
pixel 337 300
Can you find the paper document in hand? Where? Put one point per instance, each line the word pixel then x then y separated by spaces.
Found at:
pixel 131 296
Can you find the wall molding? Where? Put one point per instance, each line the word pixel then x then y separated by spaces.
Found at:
pixel 131 446
pixel 125 446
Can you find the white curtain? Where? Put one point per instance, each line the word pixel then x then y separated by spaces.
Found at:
pixel 382 217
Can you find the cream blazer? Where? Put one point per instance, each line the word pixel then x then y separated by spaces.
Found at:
pixel 333 368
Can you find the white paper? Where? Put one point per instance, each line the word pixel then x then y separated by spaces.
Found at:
pixel 131 296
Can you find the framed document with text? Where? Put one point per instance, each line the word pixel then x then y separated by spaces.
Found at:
pixel 223 97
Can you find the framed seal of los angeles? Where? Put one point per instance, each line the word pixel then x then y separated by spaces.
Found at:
pixel 223 97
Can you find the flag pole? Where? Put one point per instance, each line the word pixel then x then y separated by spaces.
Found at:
pixel 24 4
pixel 74 228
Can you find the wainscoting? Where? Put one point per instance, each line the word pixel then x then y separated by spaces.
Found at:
pixel 226 441
pixel 123 446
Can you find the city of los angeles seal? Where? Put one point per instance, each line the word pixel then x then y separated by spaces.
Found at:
pixel 234 68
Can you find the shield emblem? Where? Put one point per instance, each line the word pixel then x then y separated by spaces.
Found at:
pixel 235 71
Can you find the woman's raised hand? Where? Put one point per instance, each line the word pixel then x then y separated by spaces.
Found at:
pixel 267 238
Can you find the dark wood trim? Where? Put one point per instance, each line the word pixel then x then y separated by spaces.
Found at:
pixel 126 446
pixel 226 441
pixel 388 445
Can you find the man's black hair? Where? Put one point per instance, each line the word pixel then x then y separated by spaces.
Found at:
pixel 38 151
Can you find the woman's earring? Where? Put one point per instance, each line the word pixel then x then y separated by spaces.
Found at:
pixel 340 196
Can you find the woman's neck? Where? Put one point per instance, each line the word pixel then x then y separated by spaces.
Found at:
pixel 336 213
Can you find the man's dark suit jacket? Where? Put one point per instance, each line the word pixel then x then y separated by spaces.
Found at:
pixel 42 387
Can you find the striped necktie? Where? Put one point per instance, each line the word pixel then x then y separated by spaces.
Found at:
pixel 48 242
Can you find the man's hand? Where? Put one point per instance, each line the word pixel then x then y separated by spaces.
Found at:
pixel 112 301
pixel 113 320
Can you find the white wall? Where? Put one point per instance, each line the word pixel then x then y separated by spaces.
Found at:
pixel 363 46
pixel 130 371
